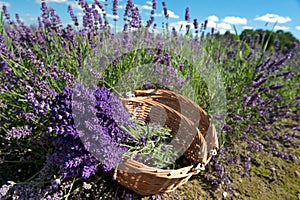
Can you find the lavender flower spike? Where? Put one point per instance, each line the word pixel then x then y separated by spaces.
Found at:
pixel 187 14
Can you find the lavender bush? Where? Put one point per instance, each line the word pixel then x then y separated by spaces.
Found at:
pixel 45 154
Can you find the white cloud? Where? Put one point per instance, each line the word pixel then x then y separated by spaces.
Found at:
pixel 100 11
pixel 273 18
pixel 156 30
pixel 121 6
pixel 222 31
pixel 179 24
pixel 213 18
pixel 149 2
pixel 171 14
pixel 223 25
pixel 235 20
pixel 112 16
pixel 75 5
pixel 27 18
pixel 247 27
pixel 145 7
pixel 211 24
pixel 157 15
pixel 281 28
pixel 32 19
pixel 4 3
pixel 298 28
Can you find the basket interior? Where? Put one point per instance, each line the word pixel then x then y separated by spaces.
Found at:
pixel 188 137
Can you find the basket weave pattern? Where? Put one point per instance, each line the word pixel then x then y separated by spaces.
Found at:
pixel 197 136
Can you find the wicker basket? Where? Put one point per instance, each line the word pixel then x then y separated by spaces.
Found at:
pixel 197 137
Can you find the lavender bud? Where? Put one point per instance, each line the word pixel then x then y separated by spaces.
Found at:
pixel 196 24
pixel 187 14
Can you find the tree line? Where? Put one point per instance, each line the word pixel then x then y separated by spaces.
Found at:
pixel 276 40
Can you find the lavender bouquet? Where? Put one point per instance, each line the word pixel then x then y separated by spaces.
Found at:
pixel 112 135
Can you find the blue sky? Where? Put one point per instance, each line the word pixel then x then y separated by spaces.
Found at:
pixel 222 15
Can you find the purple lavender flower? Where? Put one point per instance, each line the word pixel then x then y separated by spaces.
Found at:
pixel 57 182
pixel 205 24
pixel 19 132
pixel 6 14
pixel 196 24
pixel 259 82
pixel 235 117
pixel 129 7
pixel 150 21
pixel 295 45
pixel 276 86
pixel 99 5
pixel 181 66
pixel 257 38
pixel 165 9
pixel 227 127
pixel 136 18
pixel 153 5
pixel 212 32
pixel 74 18
pixel 148 85
pixel 88 171
pixel 115 9
pixel 187 14
pixel 297 98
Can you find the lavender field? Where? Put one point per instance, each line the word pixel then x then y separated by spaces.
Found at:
pixel 54 75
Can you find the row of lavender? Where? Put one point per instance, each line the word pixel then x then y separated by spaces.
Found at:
pixel 40 64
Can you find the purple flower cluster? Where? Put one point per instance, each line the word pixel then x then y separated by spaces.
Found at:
pixel 115 8
pixel 196 24
pixel 135 18
pixel 288 139
pixel 219 175
pixel 165 10
pixel 151 20
pixel 5 12
pixel 62 113
pixel 17 133
pixel 132 16
pixel 187 14
pixel 91 128
pixel 169 74
pixel 74 18
pixel 112 115
pixel 247 164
